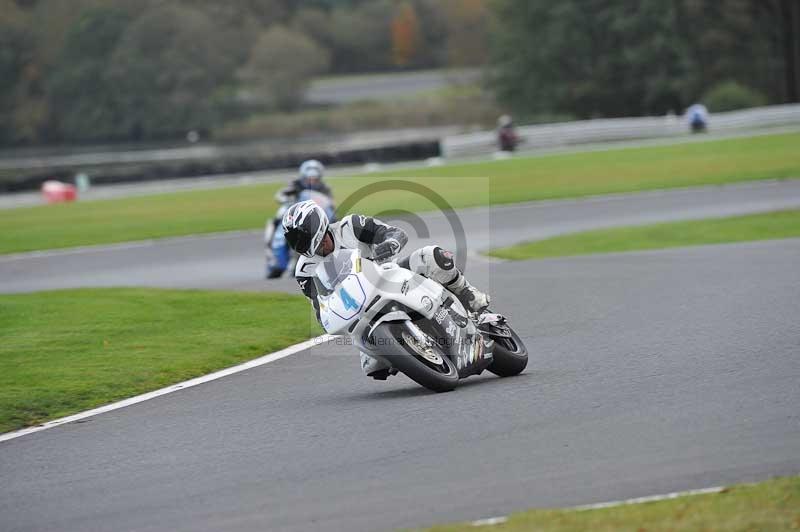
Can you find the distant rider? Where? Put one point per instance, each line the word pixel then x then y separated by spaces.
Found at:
pixel 697 116
pixel 309 232
pixel 310 178
pixel 507 138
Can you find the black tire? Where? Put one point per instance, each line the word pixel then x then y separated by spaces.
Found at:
pixel 402 353
pixel 510 354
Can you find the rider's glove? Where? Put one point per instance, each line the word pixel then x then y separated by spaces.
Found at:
pixel 386 250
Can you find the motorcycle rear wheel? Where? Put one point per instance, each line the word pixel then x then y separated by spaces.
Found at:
pixel 427 365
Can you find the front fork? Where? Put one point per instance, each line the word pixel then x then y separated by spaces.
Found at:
pixel 417 333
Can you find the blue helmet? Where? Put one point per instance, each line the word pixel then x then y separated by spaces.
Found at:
pixel 311 172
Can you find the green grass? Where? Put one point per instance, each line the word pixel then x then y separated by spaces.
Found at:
pixel 66 351
pixel 767 506
pixel 497 182
pixel 773 225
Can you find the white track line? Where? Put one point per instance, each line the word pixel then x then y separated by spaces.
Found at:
pixel 266 359
pixel 490 521
pixel 611 504
pixel 649 498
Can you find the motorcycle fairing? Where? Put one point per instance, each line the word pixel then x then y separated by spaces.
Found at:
pixel 460 339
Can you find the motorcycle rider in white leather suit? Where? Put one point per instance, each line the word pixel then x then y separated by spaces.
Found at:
pixel 309 232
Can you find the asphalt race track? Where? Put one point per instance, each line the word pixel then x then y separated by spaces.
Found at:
pixel 650 372
pixel 234 261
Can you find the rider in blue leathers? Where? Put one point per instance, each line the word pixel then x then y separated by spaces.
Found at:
pixel 308 185
pixel 310 178
pixel 697 116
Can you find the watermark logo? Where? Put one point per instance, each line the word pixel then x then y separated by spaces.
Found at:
pixel 398 213
pixel 423 209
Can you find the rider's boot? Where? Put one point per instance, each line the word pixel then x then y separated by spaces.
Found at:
pixel 472 298
pixel 377 369
pixel 274 273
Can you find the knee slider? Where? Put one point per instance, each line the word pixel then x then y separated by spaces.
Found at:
pixel 443 258
pixel 434 263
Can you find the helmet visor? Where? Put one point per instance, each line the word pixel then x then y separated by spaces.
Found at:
pixel 304 227
pixel 299 240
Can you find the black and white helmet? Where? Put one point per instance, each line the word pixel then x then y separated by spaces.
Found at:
pixel 305 225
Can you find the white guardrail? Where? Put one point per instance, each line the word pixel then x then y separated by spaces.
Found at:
pixel 611 129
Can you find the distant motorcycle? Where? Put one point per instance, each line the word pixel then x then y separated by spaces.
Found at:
pixel 279 256
pixel 507 139
pixel 697 116
pixel 413 323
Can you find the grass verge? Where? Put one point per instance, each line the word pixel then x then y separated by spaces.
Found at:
pixel 67 351
pixel 766 506
pixel 465 185
pixel 772 225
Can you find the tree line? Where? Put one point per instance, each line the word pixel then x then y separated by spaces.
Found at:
pixel 89 70
pixel 98 70
pixel 593 58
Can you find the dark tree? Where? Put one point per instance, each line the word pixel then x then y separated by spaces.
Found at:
pixel 83 102
pixel 589 57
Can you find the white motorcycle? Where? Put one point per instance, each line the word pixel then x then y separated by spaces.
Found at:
pixel 413 323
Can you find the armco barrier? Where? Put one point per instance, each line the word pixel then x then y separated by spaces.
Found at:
pixel 153 170
pixel 604 130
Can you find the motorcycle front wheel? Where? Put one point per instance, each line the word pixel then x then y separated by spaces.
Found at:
pixel 510 354
pixel 427 364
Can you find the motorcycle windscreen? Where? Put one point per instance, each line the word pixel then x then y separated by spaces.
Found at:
pixel 320 199
pixel 333 270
